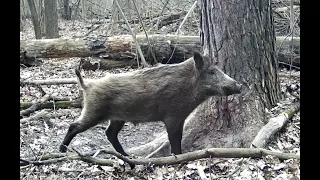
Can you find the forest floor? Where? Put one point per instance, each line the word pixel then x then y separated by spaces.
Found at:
pixel 46 134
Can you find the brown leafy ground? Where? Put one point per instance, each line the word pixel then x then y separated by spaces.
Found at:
pixel 46 134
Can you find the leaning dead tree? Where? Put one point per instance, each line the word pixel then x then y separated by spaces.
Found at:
pixel 121 50
pixel 240 40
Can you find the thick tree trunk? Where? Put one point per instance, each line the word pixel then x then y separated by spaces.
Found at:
pixel 240 39
pixel 35 19
pixel 122 48
pixel 51 19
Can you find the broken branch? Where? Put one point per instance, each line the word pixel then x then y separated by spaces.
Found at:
pixel 273 126
pixel 55 104
pixel 37 116
pixel 176 159
pixel 213 152
pixel 35 106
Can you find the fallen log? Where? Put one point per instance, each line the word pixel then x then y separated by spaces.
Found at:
pixel 118 48
pixel 49 81
pixel 55 104
pixel 273 126
pixel 34 106
pixel 37 116
pixel 167 48
pixel 284 52
pixel 107 64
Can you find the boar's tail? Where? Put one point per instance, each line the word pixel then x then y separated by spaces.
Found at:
pixel 80 79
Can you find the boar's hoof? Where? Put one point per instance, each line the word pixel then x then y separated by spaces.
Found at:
pixel 132 165
pixel 63 148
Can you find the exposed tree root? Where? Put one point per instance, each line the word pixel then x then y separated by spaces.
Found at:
pixel 273 126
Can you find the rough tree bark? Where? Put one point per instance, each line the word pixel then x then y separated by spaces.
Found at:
pixel 51 19
pixel 241 41
pixel 35 19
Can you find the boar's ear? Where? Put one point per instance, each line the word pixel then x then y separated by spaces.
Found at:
pixel 198 59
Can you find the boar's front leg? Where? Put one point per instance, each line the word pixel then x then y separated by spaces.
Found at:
pixel 174 129
pixel 112 134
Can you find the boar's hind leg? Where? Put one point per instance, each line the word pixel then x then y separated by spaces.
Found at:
pixel 175 135
pixel 112 134
pixel 83 123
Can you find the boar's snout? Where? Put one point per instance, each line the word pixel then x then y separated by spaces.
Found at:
pixel 233 88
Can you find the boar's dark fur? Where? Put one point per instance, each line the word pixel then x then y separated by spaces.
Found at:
pixel 167 93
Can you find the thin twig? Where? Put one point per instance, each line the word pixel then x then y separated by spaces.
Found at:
pixel 186 17
pixel 290 65
pixel 143 60
pixel 291 28
pixel 93 29
pixel 150 46
pixel 291 32
pixel 180 26
pixel 23 65
pixel 158 21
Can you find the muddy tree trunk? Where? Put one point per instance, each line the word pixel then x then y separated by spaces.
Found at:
pixel 240 39
pixel 35 19
pixel 51 19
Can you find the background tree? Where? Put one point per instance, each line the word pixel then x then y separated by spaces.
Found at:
pixel 35 19
pixel 51 19
pixel 66 10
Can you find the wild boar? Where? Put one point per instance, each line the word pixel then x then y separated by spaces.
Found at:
pixel 167 93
